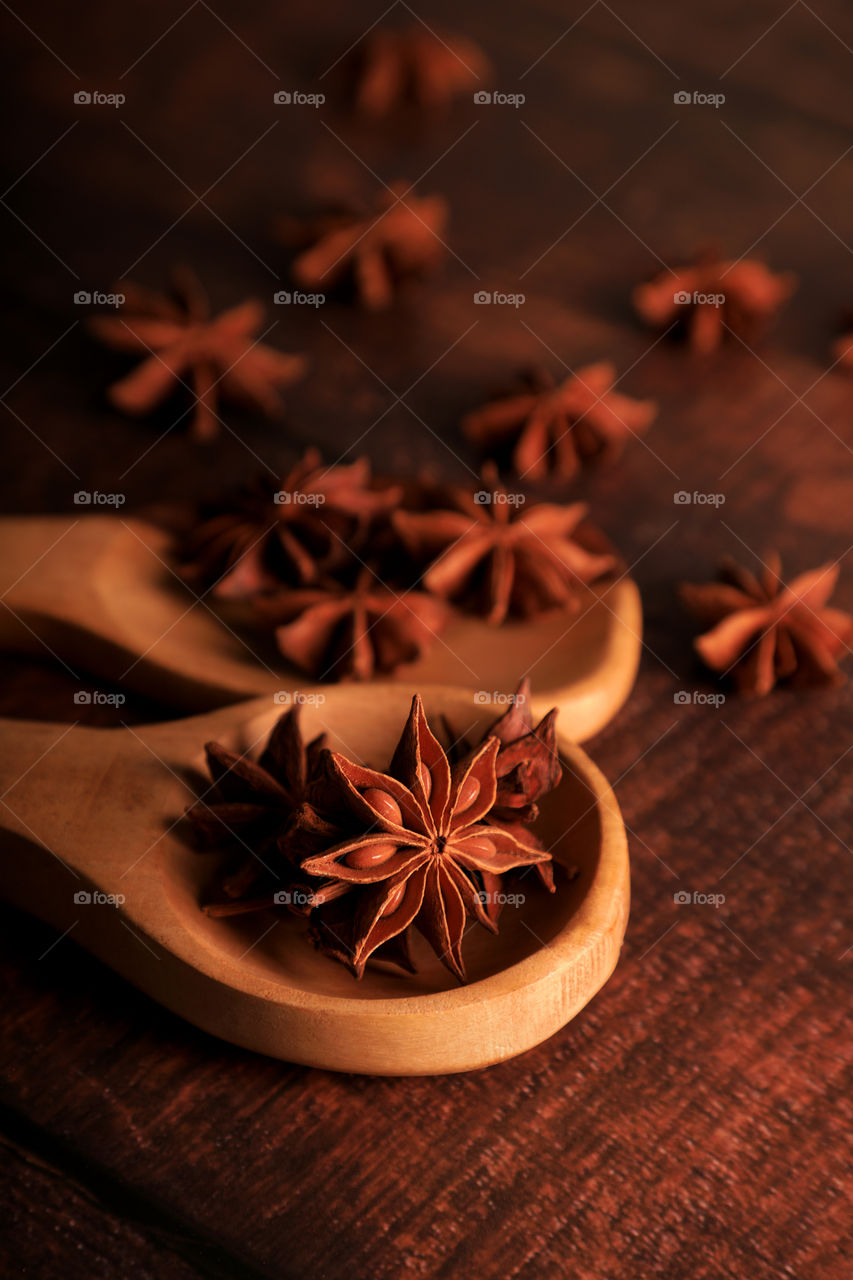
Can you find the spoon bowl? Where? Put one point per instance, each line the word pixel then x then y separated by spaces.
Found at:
pixel 93 841
pixel 101 592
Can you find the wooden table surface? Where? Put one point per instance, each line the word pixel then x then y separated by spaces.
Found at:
pixel 694 1120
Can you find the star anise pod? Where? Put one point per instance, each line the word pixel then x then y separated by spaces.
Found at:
pixel 257 810
pixel 763 631
pixel 419 66
pixel 308 526
pixel 527 767
pixel 423 847
pixel 183 343
pixel 710 295
pixel 399 240
pixel 550 428
pixel 496 556
pixel 338 631
pixel 842 348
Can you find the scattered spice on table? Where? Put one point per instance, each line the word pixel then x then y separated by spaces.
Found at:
pixel 763 632
pixel 711 295
pixel 378 250
pixel 184 345
pixel 545 427
pixel 416 66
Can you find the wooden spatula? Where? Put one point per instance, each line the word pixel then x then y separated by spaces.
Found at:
pixel 100 593
pixel 93 841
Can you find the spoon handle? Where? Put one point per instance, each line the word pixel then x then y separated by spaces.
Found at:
pixel 46 567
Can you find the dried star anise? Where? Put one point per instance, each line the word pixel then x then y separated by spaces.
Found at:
pixel 550 428
pixel 262 537
pixel 493 554
pixel 710 295
pixel 842 348
pixel 527 767
pixel 400 240
pixel 763 631
pixel 418 66
pixel 185 345
pixel 256 809
pixel 339 631
pixel 422 850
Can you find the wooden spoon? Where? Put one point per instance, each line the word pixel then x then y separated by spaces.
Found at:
pixel 100 592
pixel 89 813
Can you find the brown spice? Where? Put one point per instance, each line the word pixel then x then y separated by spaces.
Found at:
pixel 184 344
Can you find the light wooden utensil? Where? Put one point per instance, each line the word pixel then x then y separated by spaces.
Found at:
pixel 100 593
pixel 92 817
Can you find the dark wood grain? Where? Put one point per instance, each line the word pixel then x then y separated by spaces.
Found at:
pixel 694 1121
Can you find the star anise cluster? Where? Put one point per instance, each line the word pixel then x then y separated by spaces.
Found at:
pixel 354 577
pixel 370 855
pixel 304 560
pixel 293 533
